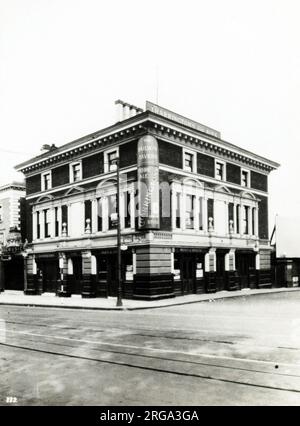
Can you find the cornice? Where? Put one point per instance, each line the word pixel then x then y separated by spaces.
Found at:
pixel 136 127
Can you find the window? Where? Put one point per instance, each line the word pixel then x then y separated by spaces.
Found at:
pixel 245 178
pixel 210 213
pixel 238 219
pixel 38 225
pixel 46 223
pixel 75 172
pixel 110 160
pixel 87 214
pixel 64 218
pixel 246 220
pixel 100 213
pixel 56 221
pixel 189 161
pixel 178 221
pixel 200 213
pixel 46 181
pixel 230 217
pixel 127 215
pixel 189 211
pixel 220 170
pixel 112 211
pixel 253 220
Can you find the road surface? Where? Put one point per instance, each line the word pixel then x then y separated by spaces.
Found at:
pixel 242 351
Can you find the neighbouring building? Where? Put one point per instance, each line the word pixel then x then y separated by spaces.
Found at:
pixel 194 211
pixel 12 233
pixel 287 251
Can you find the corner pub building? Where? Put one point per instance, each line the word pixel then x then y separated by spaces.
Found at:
pixel 193 211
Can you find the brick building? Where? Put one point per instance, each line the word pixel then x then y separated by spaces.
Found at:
pixel 194 210
pixel 12 224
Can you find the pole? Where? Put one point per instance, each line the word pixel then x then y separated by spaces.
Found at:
pixel 119 299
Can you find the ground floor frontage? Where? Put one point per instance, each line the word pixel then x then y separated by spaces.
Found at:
pixel 148 272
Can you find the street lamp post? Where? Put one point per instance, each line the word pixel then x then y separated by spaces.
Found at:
pixel 119 298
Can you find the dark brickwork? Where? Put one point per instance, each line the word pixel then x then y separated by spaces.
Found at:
pixel 259 181
pixel 205 165
pixel 263 227
pixel 92 165
pixel 233 173
pixel 60 175
pixel 33 184
pixel 128 154
pixel 28 218
pixel 170 154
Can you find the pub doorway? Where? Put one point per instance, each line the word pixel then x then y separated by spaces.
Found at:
pixel 189 272
pixel 48 274
pixel 220 270
pixel 14 273
pixel 76 287
pixel 245 265
pixel 107 272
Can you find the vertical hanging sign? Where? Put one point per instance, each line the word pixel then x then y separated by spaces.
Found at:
pixel 148 182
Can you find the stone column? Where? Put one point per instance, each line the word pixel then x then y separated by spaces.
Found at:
pixel 196 213
pixel 256 222
pixel 173 209
pixel 205 218
pixel 94 215
pixel 104 214
pixel 59 220
pixel 182 210
pixel 42 224
pixel 34 226
pixel 52 222
pixel 234 219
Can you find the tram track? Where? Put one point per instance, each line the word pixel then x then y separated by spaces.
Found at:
pixel 160 364
pixel 153 369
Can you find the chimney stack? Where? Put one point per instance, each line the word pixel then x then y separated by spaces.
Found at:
pixel 125 110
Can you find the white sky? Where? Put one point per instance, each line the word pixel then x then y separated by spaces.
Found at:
pixel 233 65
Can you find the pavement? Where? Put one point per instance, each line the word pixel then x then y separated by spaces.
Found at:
pixel 49 300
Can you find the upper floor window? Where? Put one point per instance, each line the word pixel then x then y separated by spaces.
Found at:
pixel 245 220
pixel 75 172
pixel 46 181
pixel 245 178
pixel 189 211
pixel 178 201
pixel 220 170
pixel 189 161
pixel 46 223
pixel 111 160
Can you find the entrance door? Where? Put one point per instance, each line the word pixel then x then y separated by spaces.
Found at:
pixel 220 272
pixel 245 262
pixel 188 272
pixel 14 273
pixel 77 275
pixel 112 275
pixel 50 273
